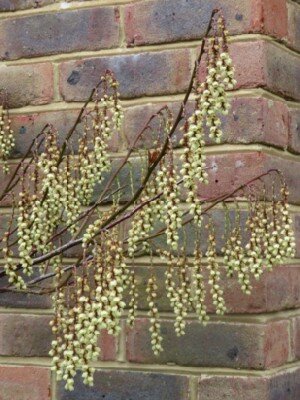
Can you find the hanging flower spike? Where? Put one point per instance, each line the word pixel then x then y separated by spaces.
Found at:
pixel 214 272
pixel 155 328
pixel 7 138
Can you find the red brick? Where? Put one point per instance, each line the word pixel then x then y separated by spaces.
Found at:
pixel 129 385
pixel 143 74
pixel 275 17
pixel 61 32
pixel 15 5
pixel 281 386
pixel 269 122
pixel 24 383
pixel 108 345
pixel 294 24
pixel 156 21
pixel 275 291
pixel 24 335
pixel 297 233
pixel 267 65
pixel 228 171
pixel 294 130
pixel 219 344
pixel 27 126
pixel 296 337
pixel 27 84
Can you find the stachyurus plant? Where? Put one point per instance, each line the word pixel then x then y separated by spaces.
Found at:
pixel 57 196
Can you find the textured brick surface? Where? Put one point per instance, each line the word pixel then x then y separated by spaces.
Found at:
pixel 275 291
pixel 24 335
pixel 269 122
pixel 63 32
pixel 294 137
pixel 24 383
pixel 296 337
pixel 282 386
pixel 157 21
pixel 294 24
pixel 26 84
pixel 143 74
pixel 233 345
pixel 27 126
pixel 118 385
pixel 14 5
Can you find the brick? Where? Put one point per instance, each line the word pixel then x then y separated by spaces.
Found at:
pixel 27 126
pixel 24 335
pixel 228 171
pixel 275 291
pixel 294 130
pixel 281 386
pixel 52 33
pixel 143 74
pixel 121 385
pixel 26 84
pixel 296 337
pixel 108 345
pixel 23 300
pixel 219 344
pixel 265 64
pixel 283 71
pixel 25 383
pixel 275 18
pixel 15 5
pixel 269 123
pixel 172 20
pixel 294 24
pixel 297 233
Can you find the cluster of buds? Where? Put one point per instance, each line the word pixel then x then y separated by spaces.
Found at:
pixel 7 139
pixel 143 221
pixel 183 297
pixel 133 295
pixel 10 266
pixel 71 198
pixel 199 287
pixel 287 240
pixel 220 77
pixel 214 271
pixel 173 217
pixel 24 231
pixel 155 328
pixel 193 162
pixel 234 258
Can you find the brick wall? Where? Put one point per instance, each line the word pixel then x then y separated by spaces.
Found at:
pixel 52 53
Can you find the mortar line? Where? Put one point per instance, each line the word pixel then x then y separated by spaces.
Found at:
pixel 161 47
pixel 168 369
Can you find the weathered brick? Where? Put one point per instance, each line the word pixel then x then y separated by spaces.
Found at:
pixel 228 171
pixel 296 337
pixel 14 5
pixel 52 33
pixel 157 21
pixel 121 385
pixel 265 64
pixel 219 344
pixel 23 300
pixel 108 345
pixel 294 130
pixel 281 386
pixel 274 17
pixel 294 24
pixel 269 123
pixel 297 233
pixel 26 127
pixel 24 383
pixel 24 335
pixel 26 84
pixel 282 71
pixel 143 74
pixel 275 291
